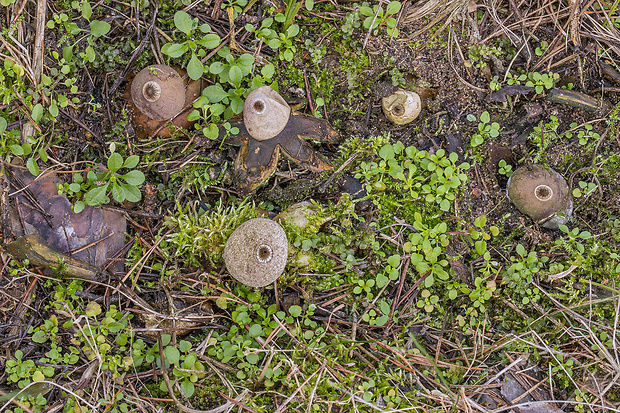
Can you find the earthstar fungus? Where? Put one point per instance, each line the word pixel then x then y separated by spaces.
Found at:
pixel 256 252
pixel 158 91
pixel 157 94
pixel 542 194
pixel 269 127
pixel 402 106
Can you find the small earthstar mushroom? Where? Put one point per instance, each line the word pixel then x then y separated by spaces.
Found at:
pixel 158 92
pixel 147 126
pixel 265 113
pixel 542 194
pixel 402 106
pixel 256 252
pixel 269 128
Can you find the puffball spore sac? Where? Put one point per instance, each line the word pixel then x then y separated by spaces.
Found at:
pixel 402 106
pixel 542 194
pixel 265 113
pixel 158 92
pixel 256 252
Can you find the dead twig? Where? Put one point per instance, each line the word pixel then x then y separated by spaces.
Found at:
pixel 135 54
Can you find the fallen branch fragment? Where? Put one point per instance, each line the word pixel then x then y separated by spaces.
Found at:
pixel 32 247
pixel 572 98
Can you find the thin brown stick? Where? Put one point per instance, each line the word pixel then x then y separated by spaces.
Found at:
pixel 39 40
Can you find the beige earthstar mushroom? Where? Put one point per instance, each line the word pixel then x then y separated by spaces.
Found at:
pixel 402 106
pixel 268 128
pixel 265 113
pixel 542 194
pixel 256 252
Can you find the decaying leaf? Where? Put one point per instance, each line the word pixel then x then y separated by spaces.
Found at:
pixel 35 207
pixel 502 94
pixel 573 98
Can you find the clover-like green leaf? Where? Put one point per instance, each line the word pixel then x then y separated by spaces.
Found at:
pixel 195 68
pixel 215 93
pixel 135 178
pixel 99 28
pixel 37 112
pixel 172 354
pixel 17 149
pixel 393 7
pixel 211 132
pixel 174 50
pixel 292 31
pixel 184 22
pixel 32 166
pixel 187 387
pixel 185 346
pixel 87 11
pixel 294 310
pixel 93 309
pixel 97 195
pixel 236 75
pixel 132 193
pixel 256 330
pixel 210 41
pixel 131 161
pixel 394 260
pixel 115 162
pixel 216 68
pixel 79 207
pixel 118 193
pixel 268 71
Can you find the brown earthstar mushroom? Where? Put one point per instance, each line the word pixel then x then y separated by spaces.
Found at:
pixel 542 194
pixel 402 106
pixel 261 138
pixel 158 93
pixel 256 252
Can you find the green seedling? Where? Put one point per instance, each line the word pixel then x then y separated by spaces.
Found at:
pixel 23 372
pixel 197 48
pixel 284 43
pixel 585 189
pixel 101 182
pixel 486 129
pixel 504 168
pixel 377 17
pixel 187 370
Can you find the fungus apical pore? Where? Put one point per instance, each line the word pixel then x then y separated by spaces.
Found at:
pixel 265 113
pixel 542 194
pixel 256 252
pixel 402 106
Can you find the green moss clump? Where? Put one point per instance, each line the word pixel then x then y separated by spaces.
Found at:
pixel 200 237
